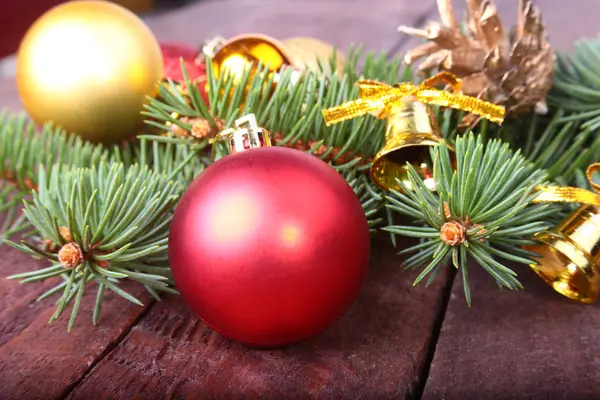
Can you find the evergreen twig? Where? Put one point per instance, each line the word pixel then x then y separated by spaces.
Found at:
pixel 481 209
pixel 114 204
pixel 290 110
pixel 104 223
pixel 577 84
pixel 23 151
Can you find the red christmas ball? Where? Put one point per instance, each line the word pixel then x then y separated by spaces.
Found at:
pixel 269 246
pixel 196 70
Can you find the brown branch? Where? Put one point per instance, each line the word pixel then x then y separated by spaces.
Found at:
pixel 333 155
pixel 27 181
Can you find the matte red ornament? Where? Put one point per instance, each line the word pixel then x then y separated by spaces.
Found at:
pixel 173 54
pixel 269 246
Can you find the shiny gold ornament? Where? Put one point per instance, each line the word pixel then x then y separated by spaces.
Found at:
pixel 515 71
pixel 88 66
pixel 569 256
pixel 411 123
pixel 308 53
pixel 235 55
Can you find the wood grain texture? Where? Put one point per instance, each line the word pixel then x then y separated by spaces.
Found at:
pixel 18 306
pixel 376 351
pixel 44 361
pixel 371 23
pixel 531 344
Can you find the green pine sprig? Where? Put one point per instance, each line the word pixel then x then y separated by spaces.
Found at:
pixel 68 183
pixel 100 224
pixel 370 197
pixel 481 210
pixel 23 150
pixel 577 84
pixel 289 109
pixel 562 148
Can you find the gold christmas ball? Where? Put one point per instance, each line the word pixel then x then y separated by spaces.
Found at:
pixel 237 53
pixel 307 52
pixel 88 67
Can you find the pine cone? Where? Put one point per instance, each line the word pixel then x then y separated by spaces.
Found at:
pixel 515 71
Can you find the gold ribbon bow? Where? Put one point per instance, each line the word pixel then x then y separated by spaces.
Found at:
pixel 377 96
pixel 567 194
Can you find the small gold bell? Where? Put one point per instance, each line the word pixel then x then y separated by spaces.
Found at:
pixel 569 256
pixel 411 129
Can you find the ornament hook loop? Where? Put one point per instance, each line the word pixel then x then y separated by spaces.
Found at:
pixel 245 135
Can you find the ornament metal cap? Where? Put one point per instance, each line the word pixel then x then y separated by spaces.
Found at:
pixel 569 256
pixel 412 129
pixel 246 135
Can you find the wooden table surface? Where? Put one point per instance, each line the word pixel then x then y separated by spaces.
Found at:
pixel 396 342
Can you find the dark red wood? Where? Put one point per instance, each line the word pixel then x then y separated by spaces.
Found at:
pixel 18 307
pixel 531 344
pixel 45 361
pixel 376 351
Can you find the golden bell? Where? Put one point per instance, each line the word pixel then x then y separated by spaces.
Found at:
pixel 412 129
pixel 569 256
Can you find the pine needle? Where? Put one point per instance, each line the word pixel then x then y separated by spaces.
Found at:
pixel 487 195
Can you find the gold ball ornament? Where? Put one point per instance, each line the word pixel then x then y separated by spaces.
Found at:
pixel 88 66
pixel 235 55
pixel 307 53
pixel 301 53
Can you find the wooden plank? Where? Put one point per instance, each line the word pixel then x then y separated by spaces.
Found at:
pixel 18 307
pixel 45 361
pixel 531 344
pixel 376 351
pixel 339 22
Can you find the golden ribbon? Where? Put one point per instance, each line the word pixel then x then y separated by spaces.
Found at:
pixel 566 194
pixel 377 96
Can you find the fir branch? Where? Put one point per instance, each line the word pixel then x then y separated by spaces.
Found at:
pixel 481 209
pixel 577 84
pixel 290 110
pixel 22 152
pixel 173 159
pixel 104 224
pixel 561 148
pixel 370 197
